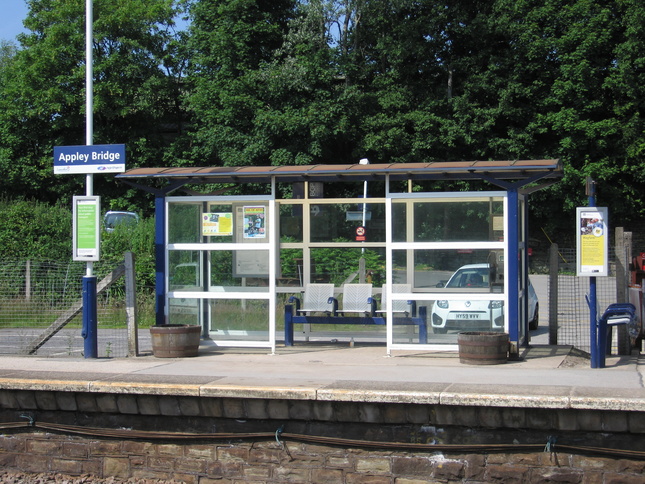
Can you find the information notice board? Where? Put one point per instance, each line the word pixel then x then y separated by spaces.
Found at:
pixel 86 228
pixel 592 241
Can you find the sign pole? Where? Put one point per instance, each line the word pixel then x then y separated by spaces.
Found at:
pixel 593 311
pixel 90 322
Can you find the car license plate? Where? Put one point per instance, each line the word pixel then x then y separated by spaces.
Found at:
pixel 466 316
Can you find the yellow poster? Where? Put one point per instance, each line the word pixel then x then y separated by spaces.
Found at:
pixel 592 241
pixel 217 224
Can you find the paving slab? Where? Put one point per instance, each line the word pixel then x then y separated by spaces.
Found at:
pixel 545 376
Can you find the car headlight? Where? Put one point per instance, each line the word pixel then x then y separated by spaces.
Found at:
pixel 443 304
pixel 495 304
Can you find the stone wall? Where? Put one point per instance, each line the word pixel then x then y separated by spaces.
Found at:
pixel 269 462
pixel 461 443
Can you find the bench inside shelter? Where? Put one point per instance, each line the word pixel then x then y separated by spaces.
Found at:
pixel 319 307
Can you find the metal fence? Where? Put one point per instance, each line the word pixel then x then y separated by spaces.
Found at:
pixel 569 314
pixel 35 295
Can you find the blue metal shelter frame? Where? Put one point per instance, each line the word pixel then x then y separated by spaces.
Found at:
pixel 517 178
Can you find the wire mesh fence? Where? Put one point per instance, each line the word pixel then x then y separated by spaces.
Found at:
pixel 35 295
pixel 573 322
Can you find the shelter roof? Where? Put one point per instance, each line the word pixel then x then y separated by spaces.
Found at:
pixel 521 172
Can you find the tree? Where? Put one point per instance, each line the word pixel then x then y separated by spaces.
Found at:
pixel 43 100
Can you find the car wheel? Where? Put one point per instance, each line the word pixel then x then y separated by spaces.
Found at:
pixel 533 324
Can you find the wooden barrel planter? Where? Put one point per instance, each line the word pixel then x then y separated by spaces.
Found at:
pixel 175 340
pixel 483 348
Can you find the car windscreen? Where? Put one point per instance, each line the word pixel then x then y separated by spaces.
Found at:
pixel 469 278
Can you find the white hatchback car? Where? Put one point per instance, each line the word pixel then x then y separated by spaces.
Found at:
pixel 467 315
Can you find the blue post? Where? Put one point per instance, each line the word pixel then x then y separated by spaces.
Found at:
pixel 89 331
pixel 593 312
pixel 513 313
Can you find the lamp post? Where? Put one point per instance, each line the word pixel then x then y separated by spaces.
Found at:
pixel 89 332
pixel 364 161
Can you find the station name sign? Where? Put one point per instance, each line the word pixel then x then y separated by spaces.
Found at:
pixel 71 160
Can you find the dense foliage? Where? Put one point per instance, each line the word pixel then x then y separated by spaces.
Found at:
pixel 259 82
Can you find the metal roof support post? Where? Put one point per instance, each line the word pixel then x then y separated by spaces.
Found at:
pixel 160 259
pixel 524 227
pixel 512 244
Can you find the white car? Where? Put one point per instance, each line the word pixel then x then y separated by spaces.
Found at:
pixel 467 315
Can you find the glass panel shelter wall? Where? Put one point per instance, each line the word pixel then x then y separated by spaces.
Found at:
pixel 220 259
pixel 234 262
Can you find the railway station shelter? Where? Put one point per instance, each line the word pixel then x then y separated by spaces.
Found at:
pixel 234 244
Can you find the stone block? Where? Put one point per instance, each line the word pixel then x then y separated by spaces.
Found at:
pixel 418 414
pixel 27 463
pixel 370 413
pixel 376 465
pixel 301 410
pixel 266 456
pixel 211 407
pixel 324 476
pixel 45 447
pixel 228 469
pixel 234 454
pixel 66 401
pixel 290 474
pixel 106 403
pixel 147 405
pixel 105 447
pixel 86 402
pixel 278 409
pixel 345 412
pixel 450 470
pixel 185 478
pixel 260 473
pixel 67 466
pixel 26 400
pixel 200 451
pixel 589 420
pixel 356 478
pixel 636 422
pixel 135 447
pixel 411 466
pixel 256 408
pixel 615 422
pixel 191 465
pixel 541 418
pixel 475 467
pixel 174 450
pixel 162 463
pixel 8 399
pixel 555 474
pixel 149 475
pixel 233 408
pixel 323 411
pixel 566 419
pixel 491 417
pixel 188 406
pixel 79 450
pixel 127 404
pixel 507 474
pixel 514 418
pixel 46 400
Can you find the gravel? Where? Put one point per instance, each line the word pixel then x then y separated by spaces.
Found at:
pixel 14 477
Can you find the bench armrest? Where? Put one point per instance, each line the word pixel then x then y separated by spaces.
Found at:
pixel 295 300
pixel 334 302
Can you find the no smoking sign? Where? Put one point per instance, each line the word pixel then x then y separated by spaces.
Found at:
pixel 360 234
